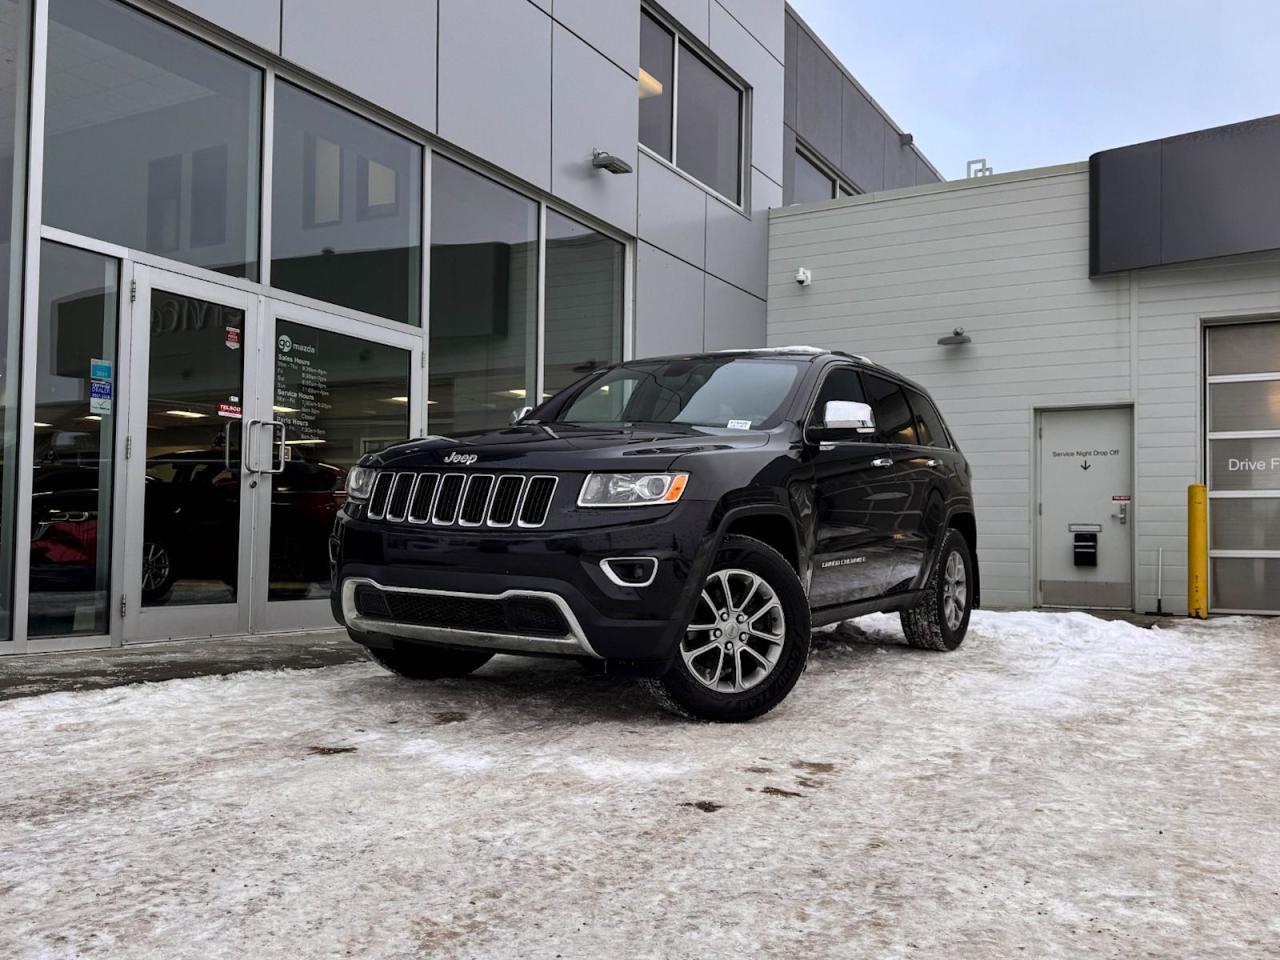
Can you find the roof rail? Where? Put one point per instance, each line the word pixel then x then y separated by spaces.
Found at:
pixel 856 356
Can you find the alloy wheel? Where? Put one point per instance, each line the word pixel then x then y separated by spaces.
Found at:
pixel 155 566
pixel 955 591
pixel 737 634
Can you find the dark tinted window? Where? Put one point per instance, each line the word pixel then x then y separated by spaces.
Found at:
pixel 840 384
pixel 894 420
pixel 346 213
pixel 929 427
pixel 708 126
pixel 151 138
pixel 657 53
pixel 584 301
pixel 809 182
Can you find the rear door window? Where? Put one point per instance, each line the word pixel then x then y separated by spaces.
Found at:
pixel 929 427
pixel 895 422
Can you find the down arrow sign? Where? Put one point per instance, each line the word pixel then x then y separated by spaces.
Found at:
pixel 1085 465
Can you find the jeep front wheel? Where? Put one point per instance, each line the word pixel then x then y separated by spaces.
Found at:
pixel 747 642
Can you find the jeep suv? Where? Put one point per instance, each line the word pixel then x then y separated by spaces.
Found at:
pixel 687 520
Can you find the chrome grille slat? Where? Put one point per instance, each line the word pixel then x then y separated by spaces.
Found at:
pixel 458 499
pixel 401 493
pixel 449 499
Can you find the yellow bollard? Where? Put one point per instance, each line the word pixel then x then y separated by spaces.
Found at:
pixel 1198 551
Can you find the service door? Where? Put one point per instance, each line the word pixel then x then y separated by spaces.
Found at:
pixel 1086 508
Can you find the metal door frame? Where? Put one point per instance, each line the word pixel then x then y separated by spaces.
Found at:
pixel 1037 500
pixel 149 624
pixel 278 616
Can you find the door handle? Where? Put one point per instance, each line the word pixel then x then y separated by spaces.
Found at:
pixel 933 463
pixel 246 446
pixel 1123 515
pixel 277 466
pixel 882 462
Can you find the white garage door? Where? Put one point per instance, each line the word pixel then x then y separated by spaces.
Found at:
pixel 1243 419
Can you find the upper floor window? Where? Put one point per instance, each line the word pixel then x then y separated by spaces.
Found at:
pixel 691 114
pixel 811 182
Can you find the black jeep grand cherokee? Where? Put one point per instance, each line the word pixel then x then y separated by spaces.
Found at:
pixel 685 519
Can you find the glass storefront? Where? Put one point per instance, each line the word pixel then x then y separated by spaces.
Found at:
pixel 73 474
pixel 15 37
pixel 1243 466
pixel 151 138
pixel 346 209
pixel 202 387
pixel 484 300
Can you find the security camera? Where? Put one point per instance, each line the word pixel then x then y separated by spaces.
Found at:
pixel 804 276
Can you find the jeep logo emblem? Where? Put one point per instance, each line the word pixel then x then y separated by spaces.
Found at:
pixel 466 459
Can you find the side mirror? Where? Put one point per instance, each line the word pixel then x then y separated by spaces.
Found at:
pixel 520 414
pixel 843 420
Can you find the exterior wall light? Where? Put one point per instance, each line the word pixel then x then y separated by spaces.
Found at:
pixel 601 160
pixel 804 276
pixel 958 338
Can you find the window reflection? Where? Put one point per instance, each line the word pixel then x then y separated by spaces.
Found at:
pixel 151 137
pixel 708 126
pixel 583 301
pixel 339 398
pixel 346 214
pixel 74 464
pixel 484 283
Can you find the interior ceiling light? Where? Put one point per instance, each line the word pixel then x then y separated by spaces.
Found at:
pixel 650 86
pixel 517 393
pixel 186 414
pixel 957 338
pixel 400 400
pixel 279 409
pixel 300 443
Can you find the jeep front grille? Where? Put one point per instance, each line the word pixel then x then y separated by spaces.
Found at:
pixel 462 499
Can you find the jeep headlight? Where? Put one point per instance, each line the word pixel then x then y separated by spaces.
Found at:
pixel 631 489
pixel 360 482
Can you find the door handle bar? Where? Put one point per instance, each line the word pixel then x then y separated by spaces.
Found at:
pixel 246 445
pixel 882 462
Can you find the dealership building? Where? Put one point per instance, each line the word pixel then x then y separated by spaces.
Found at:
pixel 1099 336
pixel 244 242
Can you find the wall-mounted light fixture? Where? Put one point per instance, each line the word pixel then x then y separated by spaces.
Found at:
pixel 601 160
pixel 958 338
pixel 804 276
pixel 906 139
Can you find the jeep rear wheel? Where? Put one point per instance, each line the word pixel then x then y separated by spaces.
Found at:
pixel 747 642
pixel 941 618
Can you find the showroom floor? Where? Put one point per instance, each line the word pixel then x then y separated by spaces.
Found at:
pixel 1061 786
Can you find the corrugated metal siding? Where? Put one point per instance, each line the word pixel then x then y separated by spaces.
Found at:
pixel 1008 259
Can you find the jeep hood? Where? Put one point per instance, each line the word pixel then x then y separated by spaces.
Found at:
pixel 557 447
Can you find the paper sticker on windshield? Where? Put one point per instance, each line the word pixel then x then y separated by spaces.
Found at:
pixel 739 424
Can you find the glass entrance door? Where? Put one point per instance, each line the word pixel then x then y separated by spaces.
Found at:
pixel 245 416
pixel 193 454
pixel 336 390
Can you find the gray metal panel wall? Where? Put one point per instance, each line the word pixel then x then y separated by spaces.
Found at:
pixel 258 21
pixel 387 54
pixel 828 111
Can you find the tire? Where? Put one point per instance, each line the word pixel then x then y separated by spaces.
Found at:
pixel 429 663
pixel 941 618
pixel 763 665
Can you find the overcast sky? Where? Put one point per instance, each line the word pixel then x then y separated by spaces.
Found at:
pixel 1028 83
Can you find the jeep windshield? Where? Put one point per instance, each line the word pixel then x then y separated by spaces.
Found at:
pixel 736 393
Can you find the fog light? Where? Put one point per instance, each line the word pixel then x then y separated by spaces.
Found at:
pixel 630 571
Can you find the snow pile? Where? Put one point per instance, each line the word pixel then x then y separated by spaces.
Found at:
pixel 1061 786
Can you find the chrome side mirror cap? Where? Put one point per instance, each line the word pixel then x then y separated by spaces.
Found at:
pixel 848 416
pixel 520 414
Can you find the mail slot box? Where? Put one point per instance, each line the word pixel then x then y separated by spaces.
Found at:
pixel 1086 549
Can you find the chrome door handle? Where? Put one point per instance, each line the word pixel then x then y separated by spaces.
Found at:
pixel 277 466
pixel 882 462
pixel 933 463
pixel 246 445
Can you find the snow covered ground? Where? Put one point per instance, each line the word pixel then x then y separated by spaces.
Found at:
pixel 1058 787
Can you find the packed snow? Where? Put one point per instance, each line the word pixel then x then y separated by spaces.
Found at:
pixel 1060 786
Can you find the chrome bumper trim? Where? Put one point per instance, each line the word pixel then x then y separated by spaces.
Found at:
pixel 574 643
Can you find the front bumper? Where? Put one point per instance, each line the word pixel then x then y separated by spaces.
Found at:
pixel 604 621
